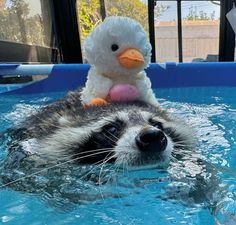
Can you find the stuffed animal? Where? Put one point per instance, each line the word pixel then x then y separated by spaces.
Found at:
pixel 118 51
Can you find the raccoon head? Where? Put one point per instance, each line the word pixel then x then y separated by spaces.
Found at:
pixel 131 135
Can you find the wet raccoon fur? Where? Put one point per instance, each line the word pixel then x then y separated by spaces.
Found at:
pixel 128 134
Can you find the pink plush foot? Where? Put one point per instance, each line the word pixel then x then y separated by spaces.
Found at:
pixel 122 93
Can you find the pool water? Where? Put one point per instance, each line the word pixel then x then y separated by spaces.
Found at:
pixel 148 196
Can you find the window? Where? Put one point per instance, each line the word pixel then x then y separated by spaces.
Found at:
pixel 166 31
pixel 88 12
pixel 198 37
pixel 26 30
pixel 47 31
pixel 200 28
pixel 136 9
pixel 91 12
pixel 185 31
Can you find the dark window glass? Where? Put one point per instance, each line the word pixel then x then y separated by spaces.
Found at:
pixel 26 29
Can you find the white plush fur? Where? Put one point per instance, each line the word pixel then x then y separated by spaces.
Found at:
pixel 105 69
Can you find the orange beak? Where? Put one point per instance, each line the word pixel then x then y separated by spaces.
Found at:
pixel 130 58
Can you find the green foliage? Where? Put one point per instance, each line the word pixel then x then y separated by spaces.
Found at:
pixel 18 25
pixel 89 16
pixel 89 12
pixel 201 15
pixel 159 9
pixel 134 9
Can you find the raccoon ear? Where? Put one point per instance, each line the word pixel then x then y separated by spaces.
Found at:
pixel 73 100
pixel 164 113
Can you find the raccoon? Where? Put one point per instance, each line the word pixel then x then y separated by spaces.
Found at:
pixel 134 134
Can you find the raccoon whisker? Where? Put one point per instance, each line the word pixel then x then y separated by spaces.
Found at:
pixel 172 158
pixel 114 141
pixel 90 151
pixel 108 150
pixel 180 153
pixel 182 142
pixel 51 167
pixel 115 168
pixel 111 122
pixel 79 153
pixel 106 137
pixel 106 159
pixel 94 164
pixel 116 138
pixel 95 142
pixel 123 166
pixel 181 145
pixel 100 173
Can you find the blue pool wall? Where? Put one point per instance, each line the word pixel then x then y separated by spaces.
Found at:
pixel 65 77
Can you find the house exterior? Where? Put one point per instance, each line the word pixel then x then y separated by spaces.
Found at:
pixel 200 40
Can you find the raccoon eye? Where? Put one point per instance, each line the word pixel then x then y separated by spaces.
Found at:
pixel 111 129
pixel 156 124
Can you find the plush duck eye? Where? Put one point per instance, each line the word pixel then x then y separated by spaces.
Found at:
pixel 114 47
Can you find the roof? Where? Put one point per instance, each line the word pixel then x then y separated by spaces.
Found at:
pixel 187 23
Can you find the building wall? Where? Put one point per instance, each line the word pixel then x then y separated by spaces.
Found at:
pixel 200 39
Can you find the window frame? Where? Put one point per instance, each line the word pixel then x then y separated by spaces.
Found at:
pixel 226 36
pixel 66 32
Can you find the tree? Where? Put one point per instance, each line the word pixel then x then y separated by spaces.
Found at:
pixel 18 25
pixel 159 10
pixel 2 3
pixel 134 9
pixel 89 16
pixel 89 12
pixel 193 14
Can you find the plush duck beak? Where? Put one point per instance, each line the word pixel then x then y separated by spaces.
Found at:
pixel 131 58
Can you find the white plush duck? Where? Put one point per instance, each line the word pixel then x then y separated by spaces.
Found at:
pixel 118 51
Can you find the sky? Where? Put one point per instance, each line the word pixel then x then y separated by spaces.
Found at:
pixel 35 7
pixel 171 14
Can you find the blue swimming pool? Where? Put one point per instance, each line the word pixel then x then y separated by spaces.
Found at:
pixel 144 196
pixel 9 87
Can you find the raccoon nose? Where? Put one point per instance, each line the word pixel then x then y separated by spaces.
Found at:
pixel 151 139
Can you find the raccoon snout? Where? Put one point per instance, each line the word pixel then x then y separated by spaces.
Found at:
pixel 151 139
